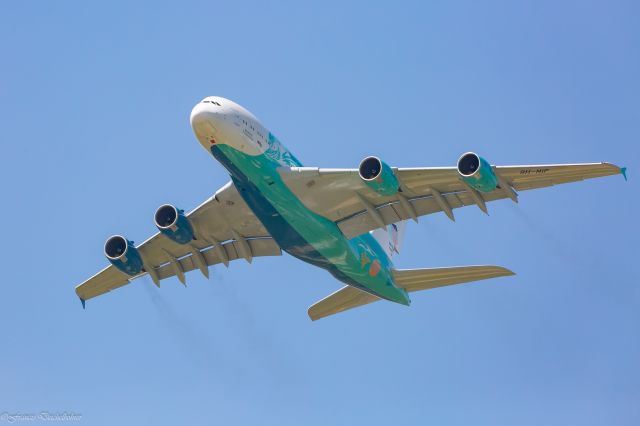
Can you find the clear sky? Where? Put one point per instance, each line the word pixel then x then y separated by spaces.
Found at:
pixel 94 124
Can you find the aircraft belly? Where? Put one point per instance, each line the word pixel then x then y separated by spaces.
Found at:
pixel 312 238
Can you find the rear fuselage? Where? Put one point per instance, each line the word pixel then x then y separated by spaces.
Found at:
pixel 252 156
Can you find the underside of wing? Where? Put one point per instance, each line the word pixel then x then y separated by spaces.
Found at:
pixel 343 196
pixel 224 229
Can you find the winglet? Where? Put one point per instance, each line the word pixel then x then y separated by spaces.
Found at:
pixel 83 303
pixel 623 172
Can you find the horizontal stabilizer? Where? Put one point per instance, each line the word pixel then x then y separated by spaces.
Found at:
pixel 424 279
pixel 411 280
pixel 346 298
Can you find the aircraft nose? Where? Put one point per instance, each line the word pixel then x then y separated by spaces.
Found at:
pixel 200 113
pixel 207 118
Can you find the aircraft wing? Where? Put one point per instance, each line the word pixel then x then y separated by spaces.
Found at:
pixel 341 196
pixel 225 228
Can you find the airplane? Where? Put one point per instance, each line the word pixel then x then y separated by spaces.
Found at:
pixel 346 221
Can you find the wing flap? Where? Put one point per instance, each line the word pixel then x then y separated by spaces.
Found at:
pixel 393 211
pixel 259 247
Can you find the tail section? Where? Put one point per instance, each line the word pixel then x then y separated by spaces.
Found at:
pixel 411 280
pixel 391 237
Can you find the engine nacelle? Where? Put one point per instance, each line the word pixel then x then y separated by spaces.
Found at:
pixel 172 222
pixel 123 255
pixel 378 176
pixel 477 172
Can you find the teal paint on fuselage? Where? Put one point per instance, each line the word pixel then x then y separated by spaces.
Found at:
pixel 360 262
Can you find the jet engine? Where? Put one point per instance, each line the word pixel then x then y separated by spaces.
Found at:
pixel 123 255
pixel 377 175
pixel 172 222
pixel 477 172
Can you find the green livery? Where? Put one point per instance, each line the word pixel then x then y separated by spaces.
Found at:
pixel 346 221
pixel 360 261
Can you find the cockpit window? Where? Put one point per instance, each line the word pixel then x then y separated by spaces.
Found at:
pixel 213 102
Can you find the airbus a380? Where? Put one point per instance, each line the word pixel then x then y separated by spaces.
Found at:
pixel 347 221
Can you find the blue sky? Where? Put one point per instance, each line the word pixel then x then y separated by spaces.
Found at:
pixel 95 135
